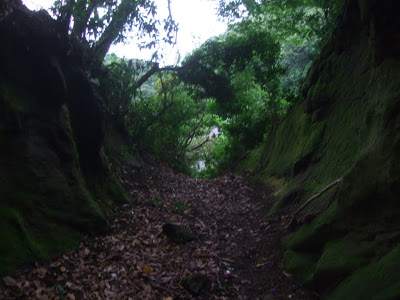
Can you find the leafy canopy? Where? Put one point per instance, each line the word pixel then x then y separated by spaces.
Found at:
pixel 239 84
pixel 100 23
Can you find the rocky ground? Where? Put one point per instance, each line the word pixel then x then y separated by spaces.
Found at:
pixel 233 250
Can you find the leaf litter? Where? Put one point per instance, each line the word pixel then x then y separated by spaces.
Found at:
pixel 237 246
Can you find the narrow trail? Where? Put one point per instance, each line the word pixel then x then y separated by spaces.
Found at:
pixel 237 247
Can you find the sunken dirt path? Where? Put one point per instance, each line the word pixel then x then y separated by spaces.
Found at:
pixel 237 246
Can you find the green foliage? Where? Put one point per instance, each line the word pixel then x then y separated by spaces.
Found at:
pixel 286 17
pixel 179 207
pixel 335 134
pixel 120 84
pixel 241 70
pixel 161 117
pixel 98 24
pixel 243 47
pixel 166 138
pixel 156 202
pixel 241 82
pixel 299 25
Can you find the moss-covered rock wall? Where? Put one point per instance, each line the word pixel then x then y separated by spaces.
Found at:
pixel 55 184
pixel 347 126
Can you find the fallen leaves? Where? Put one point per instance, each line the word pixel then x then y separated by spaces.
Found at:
pixel 9 281
pixel 137 261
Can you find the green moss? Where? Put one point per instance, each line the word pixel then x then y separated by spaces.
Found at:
pixel 301 264
pixel 311 152
pixel 378 280
pixel 313 235
pixel 45 206
pixel 355 137
pixel 290 193
pixel 11 241
pixel 15 99
pixel 251 161
pixel 284 155
pixel 28 237
pixel 108 187
pixel 340 258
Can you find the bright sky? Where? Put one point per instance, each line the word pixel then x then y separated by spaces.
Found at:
pixel 197 22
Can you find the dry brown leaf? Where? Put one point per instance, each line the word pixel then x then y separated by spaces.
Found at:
pixel 40 294
pixel 288 275
pixel 260 264
pixel 9 281
pixel 55 264
pixel 147 270
pixel 70 296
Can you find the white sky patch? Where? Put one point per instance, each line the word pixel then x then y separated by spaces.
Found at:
pixel 197 22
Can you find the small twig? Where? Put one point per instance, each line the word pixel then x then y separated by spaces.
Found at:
pixel 217 272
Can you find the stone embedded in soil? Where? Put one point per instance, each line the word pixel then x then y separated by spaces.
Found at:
pixel 196 283
pixel 178 234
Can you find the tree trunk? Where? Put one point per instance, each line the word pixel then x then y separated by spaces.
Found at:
pixel 119 19
pixel 81 19
pixel 65 16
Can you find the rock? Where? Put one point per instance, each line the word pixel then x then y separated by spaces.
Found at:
pixel 178 234
pixel 52 177
pixel 196 283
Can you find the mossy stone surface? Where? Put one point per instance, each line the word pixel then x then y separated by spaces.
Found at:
pixel 46 204
pixel 377 280
pixel 55 184
pixel 348 126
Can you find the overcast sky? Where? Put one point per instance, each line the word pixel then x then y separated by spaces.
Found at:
pixel 197 22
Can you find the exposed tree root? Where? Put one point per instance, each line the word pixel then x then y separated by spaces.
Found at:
pixel 317 195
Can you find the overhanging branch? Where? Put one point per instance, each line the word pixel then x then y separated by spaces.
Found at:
pixel 201 144
pixel 156 68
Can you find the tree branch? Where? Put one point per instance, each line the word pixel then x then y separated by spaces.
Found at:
pixel 65 15
pixel 118 21
pixel 156 68
pixel 146 76
pixel 189 138
pixel 201 144
pixel 81 20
